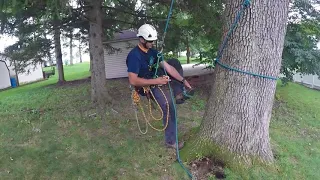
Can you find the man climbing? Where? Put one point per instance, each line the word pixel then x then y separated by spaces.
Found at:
pixel 142 66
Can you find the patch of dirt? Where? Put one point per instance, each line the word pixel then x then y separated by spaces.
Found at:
pixel 74 83
pixel 166 177
pixel 206 167
pixel 201 83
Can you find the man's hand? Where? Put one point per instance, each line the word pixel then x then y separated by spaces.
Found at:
pixel 174 73
pixel 137 81
pixel 162 80
pixel 186 83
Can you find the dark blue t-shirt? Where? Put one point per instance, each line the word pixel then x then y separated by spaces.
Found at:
pixel 139 62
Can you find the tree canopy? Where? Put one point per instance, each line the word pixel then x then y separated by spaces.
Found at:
pixel 301 54
pixel 195 26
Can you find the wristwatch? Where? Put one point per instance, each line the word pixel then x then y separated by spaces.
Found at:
pixel 182 81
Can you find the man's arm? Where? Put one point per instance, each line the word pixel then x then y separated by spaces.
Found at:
pixel 137 81
pixel 173 72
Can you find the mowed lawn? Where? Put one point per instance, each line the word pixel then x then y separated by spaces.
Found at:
pixel 52 132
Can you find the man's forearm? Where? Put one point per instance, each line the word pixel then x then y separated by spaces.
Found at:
pixel 174 73
pixel 142 82
pixel 171 71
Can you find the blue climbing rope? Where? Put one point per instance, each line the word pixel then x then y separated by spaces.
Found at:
pixel 245 4
pixel 168 18
pixel 167 25
pixel 171 93
pixel 176 124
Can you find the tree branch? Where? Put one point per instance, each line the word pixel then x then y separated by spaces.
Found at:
pixel 136 14
pixel 125 5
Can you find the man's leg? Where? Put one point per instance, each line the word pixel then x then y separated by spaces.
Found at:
pixel 175 84
pixel 178 87
pixel 170 131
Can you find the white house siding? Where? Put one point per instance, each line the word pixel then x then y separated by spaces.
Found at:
pixel 4 76
pixel 115 63
pixel 193 70
pixel 34 75
pixel 309 80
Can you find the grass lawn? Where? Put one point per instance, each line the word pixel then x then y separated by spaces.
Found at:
pixel 183 60
pixel 50 132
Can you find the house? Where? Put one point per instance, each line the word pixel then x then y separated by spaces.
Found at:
pixel 116 52
pixel 33 73
pixel 7 71
pixel 4 75
pixel 308 80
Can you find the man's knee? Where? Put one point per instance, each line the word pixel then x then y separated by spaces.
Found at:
pixel 175 63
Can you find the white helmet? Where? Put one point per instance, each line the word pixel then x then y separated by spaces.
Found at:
pixel 148 32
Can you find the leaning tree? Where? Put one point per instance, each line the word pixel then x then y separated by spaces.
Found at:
pixel 239 107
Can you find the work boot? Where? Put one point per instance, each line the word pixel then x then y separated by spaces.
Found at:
pixel 187 94
pixel 173 146
pixel 180 99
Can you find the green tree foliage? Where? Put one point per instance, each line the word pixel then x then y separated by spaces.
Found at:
pixel 300 54
pixel 196 24
pixel 28 52
pixel 31 22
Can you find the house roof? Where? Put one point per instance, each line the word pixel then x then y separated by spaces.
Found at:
pixel 123 36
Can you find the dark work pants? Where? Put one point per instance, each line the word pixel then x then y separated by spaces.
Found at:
pixel 177 88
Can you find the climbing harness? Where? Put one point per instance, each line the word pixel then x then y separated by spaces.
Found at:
pixel 137 103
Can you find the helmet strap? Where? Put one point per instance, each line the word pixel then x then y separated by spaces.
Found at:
pixel 144 44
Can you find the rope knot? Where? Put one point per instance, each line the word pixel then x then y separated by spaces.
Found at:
pixel 246 3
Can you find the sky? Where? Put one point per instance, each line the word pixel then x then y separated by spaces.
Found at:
pixel 6 41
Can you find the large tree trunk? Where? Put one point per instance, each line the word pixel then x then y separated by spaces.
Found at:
pixel 239 107
pixel 49 52
pixel 188 50
pixel 71 47
pixel 16 72
pixel 57 46
pixel 98 74
pixel 50 58
pixel 80 53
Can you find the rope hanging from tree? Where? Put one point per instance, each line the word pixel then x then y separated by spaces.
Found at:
pixel 244 5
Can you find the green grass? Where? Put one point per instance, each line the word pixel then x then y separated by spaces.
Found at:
pixel 183 60
pixel 51 132
pixel 77 71
pixel 295 133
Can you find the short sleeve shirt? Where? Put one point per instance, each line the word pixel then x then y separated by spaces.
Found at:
pixel 139 62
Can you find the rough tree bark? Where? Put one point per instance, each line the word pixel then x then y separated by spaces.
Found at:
pixel 188 49
pixel 49 53
pixel 99 93
pixel 71 47
pixel 80 53
pixel 57 46
pixel 239 107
